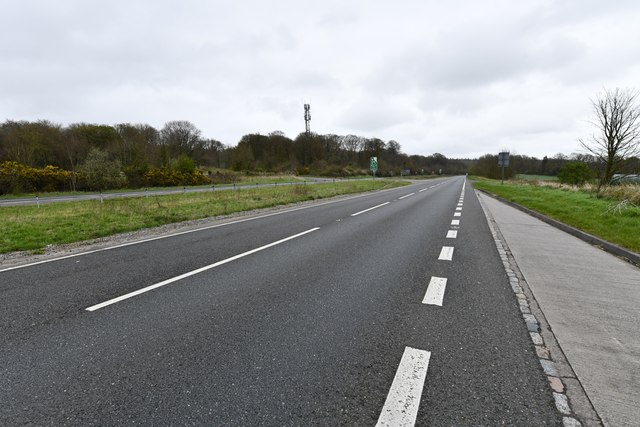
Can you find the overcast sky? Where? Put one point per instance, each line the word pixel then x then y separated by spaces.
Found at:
pixel 462 78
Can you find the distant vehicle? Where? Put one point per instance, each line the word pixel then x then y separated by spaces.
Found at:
pixel 620 178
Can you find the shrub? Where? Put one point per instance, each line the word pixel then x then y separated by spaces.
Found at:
pixel 18 178
pixel 576 173
pixel 166 177
pixel 98 172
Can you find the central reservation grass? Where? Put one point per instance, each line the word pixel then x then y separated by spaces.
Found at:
pixel 612 220
pixel 32 228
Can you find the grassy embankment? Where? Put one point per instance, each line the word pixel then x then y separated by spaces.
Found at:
pixel 32 228
pixel 614 217
pixel 240 180
pixel 524 177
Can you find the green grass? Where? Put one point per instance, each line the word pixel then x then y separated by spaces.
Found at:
pixel 579 209
pixel 525 177
pixel 249 180
pixel 243 180
pixel 31 228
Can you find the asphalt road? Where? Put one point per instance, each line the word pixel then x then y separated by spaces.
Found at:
pixel 296 318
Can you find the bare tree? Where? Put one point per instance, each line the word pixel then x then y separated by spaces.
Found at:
pixel 181 137
pixel 617 119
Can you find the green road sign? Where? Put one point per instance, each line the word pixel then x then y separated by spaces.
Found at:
pixel 373 164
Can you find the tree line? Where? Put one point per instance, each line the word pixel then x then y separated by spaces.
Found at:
pixel 95 156
pixel 45 156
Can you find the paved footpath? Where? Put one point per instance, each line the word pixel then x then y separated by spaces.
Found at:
pixel 591 301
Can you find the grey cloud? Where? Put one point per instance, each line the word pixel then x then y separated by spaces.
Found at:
pixel 371 114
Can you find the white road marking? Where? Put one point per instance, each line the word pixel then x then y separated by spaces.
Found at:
pixel 452 234
pixel 411 194
pixel 424 189
pixel 165 236
pixel 455 222
pixel 435 291
pixel 446 254
pixel 370 209
pixel 194 272
pixel 401 407
pixel 457 214
pixel 459 208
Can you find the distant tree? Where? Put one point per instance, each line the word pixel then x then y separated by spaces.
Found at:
pixel 241 158
pixel 487 166
pixel 544 165
pixel 436 162
pixel 307 149
pixel 98 172
pixel 34 144
pixel 180 137
pixel 352 144
pixel 184 164
pixel 555 163
pixel 212 153
pixel 631 166
pixel 575 173
pixel 617 136
pixel 393 147
pixel 98 136
pixel 393 159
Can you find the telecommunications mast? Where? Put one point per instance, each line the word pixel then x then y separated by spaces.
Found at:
pixel 307 119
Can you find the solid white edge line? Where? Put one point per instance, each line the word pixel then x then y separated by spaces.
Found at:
pixel 370 209
pixel 404 197
pixel 435 291
pixel 401 406
pixel 452 234
pixel 446 254
pixel 194 272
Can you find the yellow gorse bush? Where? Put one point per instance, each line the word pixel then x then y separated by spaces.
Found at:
pixel 18 178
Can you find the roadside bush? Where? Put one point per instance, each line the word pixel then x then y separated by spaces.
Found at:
pixel 184 164
pixel 576 173
pixel 338 171
pixel 166 177
pixel 223 177
pixel 98 172
pixel 17 178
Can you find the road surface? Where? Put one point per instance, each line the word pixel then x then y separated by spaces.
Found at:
pixel 390 308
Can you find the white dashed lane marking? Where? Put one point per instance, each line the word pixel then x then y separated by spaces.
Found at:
pixel 404 197
pixel 435 291
pixel 370 209
pixel 446 254
pixel 401 407
pixel 403 400
pixel 198 271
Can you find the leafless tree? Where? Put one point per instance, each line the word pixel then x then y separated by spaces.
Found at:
pixel 617 120
pixel 181 137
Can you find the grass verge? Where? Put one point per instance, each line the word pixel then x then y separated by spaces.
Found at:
pixel 32 228
pixel 616 221
pixel 525 177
